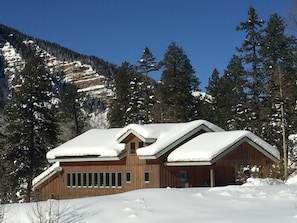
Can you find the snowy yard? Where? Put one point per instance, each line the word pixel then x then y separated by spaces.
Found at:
pixel 257 201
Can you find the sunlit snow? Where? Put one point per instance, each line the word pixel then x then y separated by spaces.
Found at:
pixel 257 201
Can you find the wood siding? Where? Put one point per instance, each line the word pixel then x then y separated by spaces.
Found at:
pixel 56 186
pixel 159 175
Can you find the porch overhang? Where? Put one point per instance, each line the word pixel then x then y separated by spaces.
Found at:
pixel 189 163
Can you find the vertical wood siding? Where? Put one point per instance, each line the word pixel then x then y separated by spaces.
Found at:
pixel 159 175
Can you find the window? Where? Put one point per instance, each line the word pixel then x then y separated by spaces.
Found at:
pixel 107 178
pixel 68 180
pixel 132 148
pixel 140 144
pixel 73 179
pixel 128 177
pixel 101 179
pixel 113 179
pixel 119 184
pixel 90 180
pixel 79 179
pixel 96 182
pixel 84 179
pixel 146 176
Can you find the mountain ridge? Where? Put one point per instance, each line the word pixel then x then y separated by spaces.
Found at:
pixel 92 75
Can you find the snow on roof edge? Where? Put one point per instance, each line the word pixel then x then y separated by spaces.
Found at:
pixel 55 168
pixel 210 150
pixel 180 133
pixel 90 143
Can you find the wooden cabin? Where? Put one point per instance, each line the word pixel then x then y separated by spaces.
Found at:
pixel 109 161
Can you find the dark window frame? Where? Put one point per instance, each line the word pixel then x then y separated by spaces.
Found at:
pixel 132 148
pixel 128 177
pixel 146 177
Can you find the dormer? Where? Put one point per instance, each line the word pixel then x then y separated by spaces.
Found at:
pixel 160 138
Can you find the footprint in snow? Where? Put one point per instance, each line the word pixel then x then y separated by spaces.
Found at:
pixel 199 195
pixel 132 216
pixel 127 209
pixel 225 194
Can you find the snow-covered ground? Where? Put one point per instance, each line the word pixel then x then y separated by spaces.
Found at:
pixel 257 201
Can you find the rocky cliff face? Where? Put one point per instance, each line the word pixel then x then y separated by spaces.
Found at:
pixel 92 75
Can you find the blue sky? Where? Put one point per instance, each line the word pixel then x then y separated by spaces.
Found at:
pixel 118 30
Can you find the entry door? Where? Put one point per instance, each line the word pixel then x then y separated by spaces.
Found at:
pixel 183 178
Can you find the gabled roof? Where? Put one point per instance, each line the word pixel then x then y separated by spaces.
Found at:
pixel 150 133
pixel 209 147
pixel 95 144
pixel 167 136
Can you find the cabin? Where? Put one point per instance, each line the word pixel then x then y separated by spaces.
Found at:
pixel 138 156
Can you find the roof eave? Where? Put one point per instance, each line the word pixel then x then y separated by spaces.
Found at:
pixel 49 175
pixel 189 163
pixel 87 159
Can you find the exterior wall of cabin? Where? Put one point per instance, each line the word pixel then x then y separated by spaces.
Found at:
pixel 243 155
pixel 131 173
pixel 138 167
pixel 185 176
pixel 48 189
pixel 224 169
pixel 142 174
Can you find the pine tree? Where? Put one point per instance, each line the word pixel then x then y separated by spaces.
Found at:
pixel 71 115
pixel 137 110
pixel 250 50
pixel 123 78
pixel 3 166
pixel 214 89
pixel 32 128
pixel 147 64
pixel 228 98
pixel 1 99
pixel 178 81
pixel 234 96
pixel 278 52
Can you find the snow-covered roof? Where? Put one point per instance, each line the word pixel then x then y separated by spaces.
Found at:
pixel 99 143
pixel 151 132
pixel 166 135
pixel 55 168
pixel 208 147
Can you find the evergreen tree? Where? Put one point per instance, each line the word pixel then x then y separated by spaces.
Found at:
pixel 178 81
pixel 278 52
pixel 32 128
pixel 138 106
pixel 235 97
pixel 147 64
pixel 214 89
pixel 1 99
pixel 250 51
pixel 123 78
pixel 72 115
pixel 227 96
pixel 4 179
pixel 131 103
